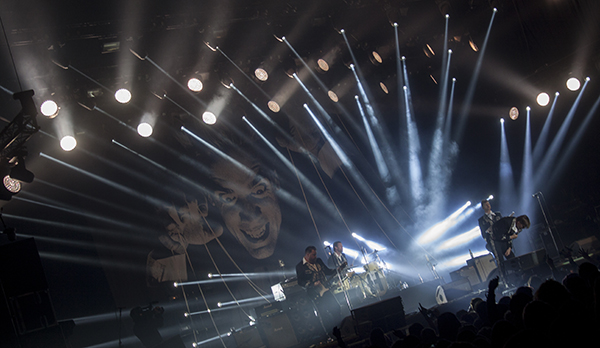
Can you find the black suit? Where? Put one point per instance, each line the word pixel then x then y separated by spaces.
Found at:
pixel 500 240
pixel 334 262
pixel 327 305
pixel 484 223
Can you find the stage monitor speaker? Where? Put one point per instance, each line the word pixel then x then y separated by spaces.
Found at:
pixel 387 315
pixel 451 291
pixel 526 262
pixel 248 338
pixel 277 331
pixel 423 293
pixel 302 316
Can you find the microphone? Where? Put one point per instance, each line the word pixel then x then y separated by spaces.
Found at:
pixel 536 194
pixel 328 246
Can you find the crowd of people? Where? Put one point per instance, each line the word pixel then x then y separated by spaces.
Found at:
pixel 562 311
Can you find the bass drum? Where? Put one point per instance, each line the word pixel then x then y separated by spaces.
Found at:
pixel 374 283
pixel 371 267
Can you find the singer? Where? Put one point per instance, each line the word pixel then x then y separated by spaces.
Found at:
pixel 338 257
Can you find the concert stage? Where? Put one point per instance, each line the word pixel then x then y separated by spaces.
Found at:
pixel 295 323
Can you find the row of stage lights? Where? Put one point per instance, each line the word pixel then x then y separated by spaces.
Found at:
pixel 50 108
pixel 543 99
pixel 573 84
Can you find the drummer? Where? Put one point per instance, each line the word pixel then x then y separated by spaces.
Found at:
pixel 338 257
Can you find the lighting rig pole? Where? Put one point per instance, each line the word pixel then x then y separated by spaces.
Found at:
pixel 537 196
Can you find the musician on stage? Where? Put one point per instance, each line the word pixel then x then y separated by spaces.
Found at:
pixel 312 275
pixel 502 234
pixel 486 221
pixel 338 257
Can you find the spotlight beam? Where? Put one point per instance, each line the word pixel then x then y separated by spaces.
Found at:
pixel 320 83
pixel 122 188
pixel 389 178
pixel 8 91
pixel 507 185
pixel 190 93
pixel 243 73
pixel 81 213
pixel 165 96
pixel 400 79
pixel 95 199
pixel 471 89
pixel 161 167
pixel 414 149
pixel 540 145
pixel 554 148
pixel 461 239
pixel 72 227
pixel 305 182
pixel 575 140
pixel 439 175
pixel 527 169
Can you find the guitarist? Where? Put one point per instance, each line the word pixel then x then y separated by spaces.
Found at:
pixel 502 234
pixel 486 221
pixel 312 275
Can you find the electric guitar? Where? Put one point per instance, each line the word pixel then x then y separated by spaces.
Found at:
pixel 316 291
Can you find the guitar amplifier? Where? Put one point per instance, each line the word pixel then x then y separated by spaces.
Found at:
pixel 286 289
pixel 267 310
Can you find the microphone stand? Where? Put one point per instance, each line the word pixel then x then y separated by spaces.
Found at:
pixel 348 303
pixel 537 196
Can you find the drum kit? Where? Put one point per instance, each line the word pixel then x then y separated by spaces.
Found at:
pixel 370 283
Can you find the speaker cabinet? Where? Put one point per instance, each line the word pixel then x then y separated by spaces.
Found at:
pixel 387 315
pixel 301 313
pixel 248 338
pixel 277 331
pixel 423 293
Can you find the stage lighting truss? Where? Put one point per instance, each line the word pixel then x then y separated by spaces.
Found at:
pixel 21 128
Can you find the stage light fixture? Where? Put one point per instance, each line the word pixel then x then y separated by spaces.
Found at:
pixel 12 185
pixel 543 99
pixel 19 172
pixel 428 50
pixel 123 95
pixel 68 143
pixel 573 84
pixel 209 118
pixel 49 108
pixel 377 57
pixel 384 88
pixel 261 74
pixel 144 129
pixel 473 45
pixel 322 65
pixel 273 106
pixel 513 113
pixel 195 85
pixel 333 96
